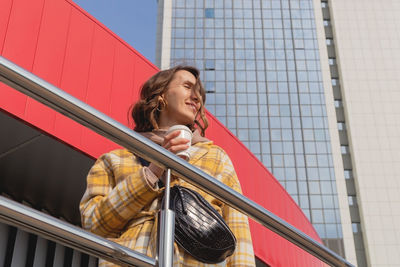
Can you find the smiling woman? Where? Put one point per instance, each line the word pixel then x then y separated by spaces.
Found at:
pixel 123 195
pixel 170 97
pixel 182 101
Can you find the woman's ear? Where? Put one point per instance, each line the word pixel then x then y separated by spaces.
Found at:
pixel 162 99
pixel 161 103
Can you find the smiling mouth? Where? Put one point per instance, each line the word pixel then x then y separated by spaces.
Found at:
pixel 193 107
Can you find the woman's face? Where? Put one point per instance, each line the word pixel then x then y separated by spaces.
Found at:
pixel 182 102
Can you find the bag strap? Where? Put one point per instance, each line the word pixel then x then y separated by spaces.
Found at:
pixel 143 162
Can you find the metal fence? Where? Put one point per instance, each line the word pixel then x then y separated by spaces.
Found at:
pixel 54 229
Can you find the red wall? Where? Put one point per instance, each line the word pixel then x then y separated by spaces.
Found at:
pixel 62 44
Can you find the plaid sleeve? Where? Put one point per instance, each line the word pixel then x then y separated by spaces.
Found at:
pixel 238 222
pixel 116 191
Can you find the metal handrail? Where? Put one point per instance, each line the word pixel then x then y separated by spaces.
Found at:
pixel 79 111
pixel 29 219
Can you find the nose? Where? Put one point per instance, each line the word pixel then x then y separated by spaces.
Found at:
pixel 195 97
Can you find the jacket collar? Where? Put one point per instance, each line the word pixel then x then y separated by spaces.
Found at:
pixel 198 151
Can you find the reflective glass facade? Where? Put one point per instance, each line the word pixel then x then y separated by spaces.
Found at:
pixel 261 69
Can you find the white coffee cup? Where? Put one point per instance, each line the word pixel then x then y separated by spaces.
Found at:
pixel 184 132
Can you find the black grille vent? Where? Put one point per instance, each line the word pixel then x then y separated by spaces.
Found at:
pixel 19 248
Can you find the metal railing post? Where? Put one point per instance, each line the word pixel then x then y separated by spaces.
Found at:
pixel 166 229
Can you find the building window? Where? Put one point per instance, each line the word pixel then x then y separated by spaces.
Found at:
pixel 338 103
pixel 327 22
pixel 341 126
pixel 352 201
pixel 348 174
pixel 210 87
pixel 209 13
pixel 329 41
pixel 210 64
pixel 356 228
pixel 345 149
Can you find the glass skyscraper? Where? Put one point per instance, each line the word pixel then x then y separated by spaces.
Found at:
pixel 260 64
pixel 309 86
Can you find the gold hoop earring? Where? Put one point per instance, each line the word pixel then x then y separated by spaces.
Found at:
pixel 161 103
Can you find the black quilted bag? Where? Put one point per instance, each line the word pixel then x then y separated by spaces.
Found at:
pixel 199 228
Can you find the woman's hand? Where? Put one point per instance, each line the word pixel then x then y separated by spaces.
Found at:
pixel 172 144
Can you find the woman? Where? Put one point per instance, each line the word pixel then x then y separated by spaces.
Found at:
pixel 123 196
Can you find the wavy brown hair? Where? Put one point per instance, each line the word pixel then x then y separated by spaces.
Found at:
pixel 146 111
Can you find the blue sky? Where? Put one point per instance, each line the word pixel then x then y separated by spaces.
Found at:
pixel 133 20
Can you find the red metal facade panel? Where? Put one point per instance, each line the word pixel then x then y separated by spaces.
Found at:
pixel 74 77
pixel 19 45
pixel 122 86
pixel 4 18
pixel 59 42
pixel 8 94
pixel 22 32
pixel 50 51
pixel 98 89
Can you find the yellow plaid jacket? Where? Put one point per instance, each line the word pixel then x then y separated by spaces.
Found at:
pixel 121 205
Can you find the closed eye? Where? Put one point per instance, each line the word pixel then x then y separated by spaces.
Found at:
pixel 188 85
